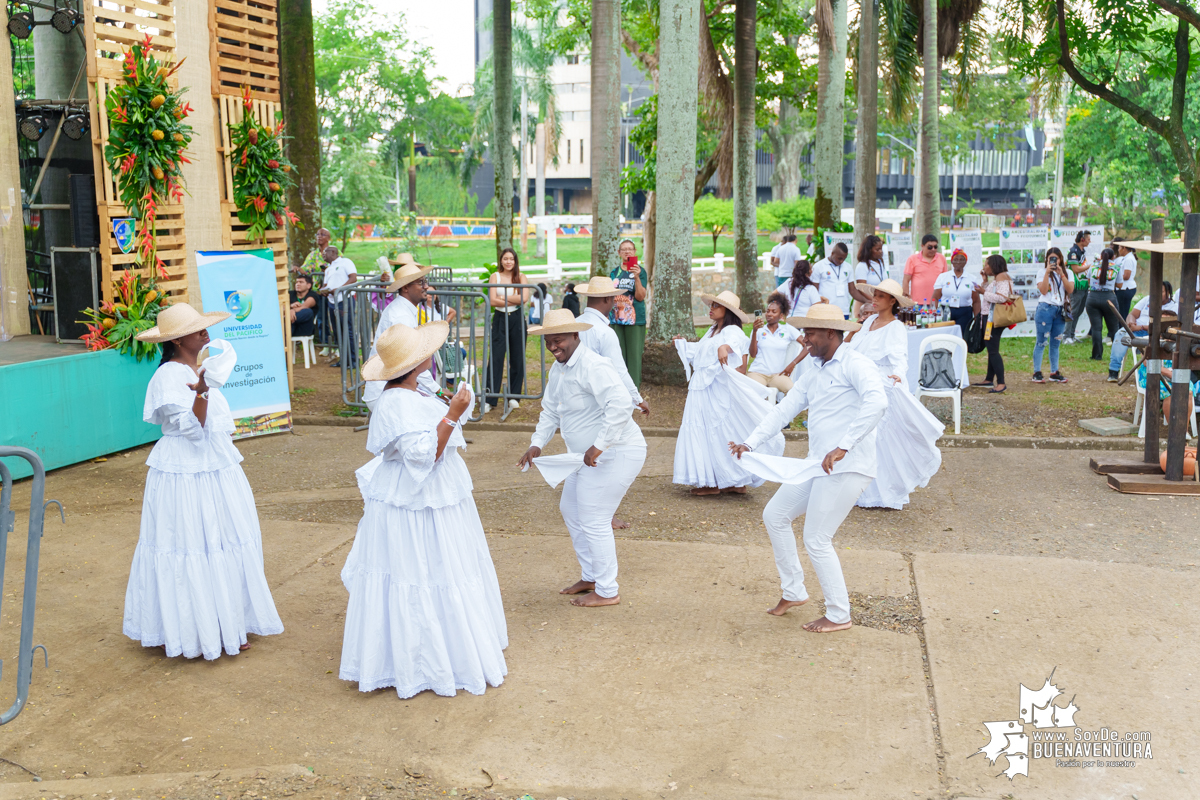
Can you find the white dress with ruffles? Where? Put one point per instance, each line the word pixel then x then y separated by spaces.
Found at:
pixel 722 406
pixel 425 609
pixel 906 444
pixel 197 583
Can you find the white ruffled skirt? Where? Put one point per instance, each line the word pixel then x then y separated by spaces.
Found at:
pixel 425 609
pixel 197 583
pixel 727 410
pixel 906 450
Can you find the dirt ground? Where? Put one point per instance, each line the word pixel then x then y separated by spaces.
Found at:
pixel 685 687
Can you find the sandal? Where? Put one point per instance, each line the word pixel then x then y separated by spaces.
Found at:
pixel 984 383
pixel 998 391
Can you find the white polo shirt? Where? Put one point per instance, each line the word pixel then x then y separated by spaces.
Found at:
pixel 338 273
pixel 833 282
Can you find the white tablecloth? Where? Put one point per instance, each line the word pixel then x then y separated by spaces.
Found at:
pixel 918 335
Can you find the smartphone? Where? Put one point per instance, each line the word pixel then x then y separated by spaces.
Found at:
pixel 758 314
pixel 1054 261
pixel 631 263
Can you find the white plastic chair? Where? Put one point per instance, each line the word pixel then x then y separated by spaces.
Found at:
pixel 943 341
pixel 1139 406
pixel 306 347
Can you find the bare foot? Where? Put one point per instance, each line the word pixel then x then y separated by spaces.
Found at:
pixel 704 491
pixel 784 605
pixel 592 600
pixel 734 490
pixel 619 524
pixel 244 647
pixel 579 587
pixel 823 625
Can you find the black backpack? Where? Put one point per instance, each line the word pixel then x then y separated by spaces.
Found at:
pixel 937 370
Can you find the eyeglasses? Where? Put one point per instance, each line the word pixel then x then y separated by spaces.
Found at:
pixel 931 246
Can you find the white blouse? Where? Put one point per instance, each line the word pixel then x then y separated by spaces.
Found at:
pixel 801 300
pixel 887 346
pixel 187 447
pixel 703 354
pixel 772 349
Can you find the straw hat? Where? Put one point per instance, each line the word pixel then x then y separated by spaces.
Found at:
pixel 824 315
pixel 401 348
pixel 403 258
pixel 894 289
pixel 730 301
pixel 406 272
pixel 598 286
pixel 560 320
pixel 180 320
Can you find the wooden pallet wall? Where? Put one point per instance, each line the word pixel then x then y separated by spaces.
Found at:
pixel 110 28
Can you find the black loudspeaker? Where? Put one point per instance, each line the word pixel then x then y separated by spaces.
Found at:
pixel 85 222
pixel 73 291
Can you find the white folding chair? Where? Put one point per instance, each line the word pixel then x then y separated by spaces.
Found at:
pixel 306 347
pixel 944 341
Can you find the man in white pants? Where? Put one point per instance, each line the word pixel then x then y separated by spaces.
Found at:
pixel 845 400
pixel 587 401
pixel 409 284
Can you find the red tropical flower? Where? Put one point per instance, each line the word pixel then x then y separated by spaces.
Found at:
pixel 273 164
pixel 259 202
pixel 128 162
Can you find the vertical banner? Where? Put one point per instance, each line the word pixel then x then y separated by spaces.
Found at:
pixel 970 242
pixel 1025 251
pixel 899 248
pixel 846 238
pixel 1063 238
pixel 243 283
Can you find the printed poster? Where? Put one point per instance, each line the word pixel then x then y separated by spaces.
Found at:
pixel 897 249
pixel 970 242
pixel 1025 251
pixel 243 283
pixel 846 238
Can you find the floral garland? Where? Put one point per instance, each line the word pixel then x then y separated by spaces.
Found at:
pixel 133 310
pixel 146 141
pixel 261 174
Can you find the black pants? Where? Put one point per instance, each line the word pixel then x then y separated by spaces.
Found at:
pixel 343 313
pixel 508 337
pixel 1124 301
pixel 995 370
pixel 1098 311
pixel 962 317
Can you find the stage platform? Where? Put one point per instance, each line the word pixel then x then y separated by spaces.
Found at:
pixel 69 405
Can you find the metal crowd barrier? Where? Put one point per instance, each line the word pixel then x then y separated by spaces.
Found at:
pixel 37 517
pixel 356 307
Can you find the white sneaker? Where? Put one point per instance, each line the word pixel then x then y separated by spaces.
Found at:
pixel 1069 341
pixel 513 404
pixel 486 408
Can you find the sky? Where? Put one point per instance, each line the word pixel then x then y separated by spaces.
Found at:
pixel 445 26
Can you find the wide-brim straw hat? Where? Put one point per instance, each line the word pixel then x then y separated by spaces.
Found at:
pixel 401 348
pixel 598 286
pixel 560 320
pixel 180 320
pixel 824 315
pixel 728 299
pixel 406 272
pixel 403 258
pixel 894 289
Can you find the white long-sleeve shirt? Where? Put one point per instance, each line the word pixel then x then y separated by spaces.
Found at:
pixel 400 311
pixel 586 399
pixel 601 340
pixel 845 401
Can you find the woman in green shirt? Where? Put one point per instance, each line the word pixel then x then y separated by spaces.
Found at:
pixel 629 313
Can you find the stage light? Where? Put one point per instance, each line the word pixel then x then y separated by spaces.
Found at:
pixel 64 20
pixel 21 25
pixel 33 126
pixel 77 123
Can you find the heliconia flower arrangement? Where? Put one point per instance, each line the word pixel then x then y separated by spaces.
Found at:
pixel 134 309
pixel 261 173
pixel 146 143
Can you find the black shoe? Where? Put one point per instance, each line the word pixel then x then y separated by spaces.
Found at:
pixel 1113 377
pixel 1058 377
pixel 1037 378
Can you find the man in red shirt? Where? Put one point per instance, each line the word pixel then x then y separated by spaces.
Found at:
pixel 922 269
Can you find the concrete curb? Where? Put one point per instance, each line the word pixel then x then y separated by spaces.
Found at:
pixel 955 441
pixel 140 784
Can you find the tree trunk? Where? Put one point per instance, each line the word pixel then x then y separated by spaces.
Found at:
pixel 679 36
pixel 788 142
pixel 606 135
pixel 298 95
pixel 523 180
pixel 502 149
pixel 539 183
pixel 866 132
pixel 745 183
pixel 831 114
pixel 649 229
pixel 930 221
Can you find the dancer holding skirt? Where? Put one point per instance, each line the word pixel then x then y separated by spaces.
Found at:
pixel 197 585
pixel 424 609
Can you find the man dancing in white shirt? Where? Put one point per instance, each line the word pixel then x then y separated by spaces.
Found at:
pixel 587 401
pixel 845 400
pixel 409 284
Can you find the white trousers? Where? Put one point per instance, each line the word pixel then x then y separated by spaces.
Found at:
pixel 824 501
pixel 590 497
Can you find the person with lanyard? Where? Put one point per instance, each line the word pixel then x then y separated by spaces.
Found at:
pixel 1138 321
pixel 588 403
pixel 1102 301
pixel 833 276
pixel 629 313
pixel 845 400
pixel 870 271
pixel 424 611
pixel 197 584
pixel 956 289
pixel 769 342
pixel 922 269
pixel 1126 278
pixel 1077 262
pixel 801 290
pixel 1056 287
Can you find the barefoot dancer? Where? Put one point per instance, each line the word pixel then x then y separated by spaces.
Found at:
pixel 845 399
pixel 586 399
pixel 601 295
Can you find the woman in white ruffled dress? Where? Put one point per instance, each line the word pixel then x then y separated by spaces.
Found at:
pixel 723 405
pixel 197 585
pixel 906 445
pixel 424 610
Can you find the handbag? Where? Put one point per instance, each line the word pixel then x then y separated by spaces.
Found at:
pixel 974 335
pixel 1010 313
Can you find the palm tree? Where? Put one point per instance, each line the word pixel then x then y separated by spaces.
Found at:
pixel 831 110
pixel 606 134
pixel 502 127
pixel 866 131
pixel 927 218
pixel 745 229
